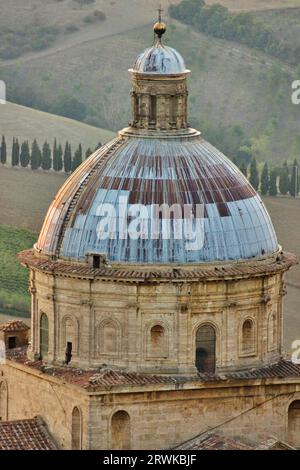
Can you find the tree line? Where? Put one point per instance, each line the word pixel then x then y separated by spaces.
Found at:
pixel 217 21
pixel 57 157
pixel 283 179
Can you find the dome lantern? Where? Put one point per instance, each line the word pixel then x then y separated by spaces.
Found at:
pixel 159 87
pixel 158 160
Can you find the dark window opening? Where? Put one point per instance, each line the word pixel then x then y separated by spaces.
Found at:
pixel 12 342
pixel 248 344
pixel 206 349
pixel 44 335
pixel 173 110
pixel 76 429
pixel 68 353
pixel 96 262
pixel 153 109
pixel 294 424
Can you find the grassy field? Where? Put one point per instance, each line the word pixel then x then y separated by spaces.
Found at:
pixel 25 196
pixel 28 124
pixel 14 298
pixel 24 200
pixel 285 213
pixel 235 93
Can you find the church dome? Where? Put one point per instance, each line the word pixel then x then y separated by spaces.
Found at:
pixel 160 59
pixel 159 161
pixel 236 223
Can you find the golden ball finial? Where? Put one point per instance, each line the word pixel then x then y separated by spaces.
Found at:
pixel 160 28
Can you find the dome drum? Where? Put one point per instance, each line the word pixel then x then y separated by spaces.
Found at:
pixel 163 110
pixel 120 296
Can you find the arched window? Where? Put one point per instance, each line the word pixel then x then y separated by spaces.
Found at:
pixel 173 109
pixel 76 429
pixel 109 338
pixel 120 431
pixel 69 329
pixel 153 109
pixel 294 424
pixel 206 349
pixel 3 401
pixel 248 338
pixel 44 336
pixel 158 342
pixel 272 331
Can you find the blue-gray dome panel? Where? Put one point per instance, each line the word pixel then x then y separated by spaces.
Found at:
pixel 160 59
pixel 235 222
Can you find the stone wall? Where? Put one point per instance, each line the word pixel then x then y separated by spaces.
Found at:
pixel 159 416
pixel 163 420
pixel 117 323
pixel 31 393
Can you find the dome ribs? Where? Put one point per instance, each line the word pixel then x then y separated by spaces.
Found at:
pixel 153 172
pixel 71 211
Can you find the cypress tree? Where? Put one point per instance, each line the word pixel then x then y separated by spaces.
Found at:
pixel 265 180
pixel 254 176
pixel 36 156
pixel 294 185
pixel 67 158
pixel 273 183
pixel 13 152
pixel 25 154
pixel 3 153
pixel 17 153
pixel 59 158
pixel 77 158
pixel 284 179
pixel 98 146
pixel 55 156
pixel 88 153
pixel 46 157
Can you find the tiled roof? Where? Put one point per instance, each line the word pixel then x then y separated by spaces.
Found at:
pixel 14 325
pixel 283 368
pixel 211 441
pixel 194 273
pixel 218 441
pixel 104 377
pixel 111 377
pixel 25 434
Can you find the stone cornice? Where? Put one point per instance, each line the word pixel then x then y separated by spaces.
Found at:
pixel 274 264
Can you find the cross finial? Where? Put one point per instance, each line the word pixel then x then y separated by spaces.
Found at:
pixel 160 27
pixel 160 10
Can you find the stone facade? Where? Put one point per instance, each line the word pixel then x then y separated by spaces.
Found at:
pixel 152 326
pixel 159 416
pixel 130 351
pixel 14 334
pixel 164 111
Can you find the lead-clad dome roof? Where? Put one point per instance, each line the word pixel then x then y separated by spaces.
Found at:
pixel 160 59
pixel 236 223
pixel 158 162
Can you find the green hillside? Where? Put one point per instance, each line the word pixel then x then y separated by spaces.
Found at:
pixel 238 95
pixel 14 297
pixel 28 124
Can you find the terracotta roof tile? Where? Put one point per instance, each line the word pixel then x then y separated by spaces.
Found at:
pixel 104 377
pixel 14 325
pixel 255 267
pixel 218 441
pixel 25 434
pixel 211 441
